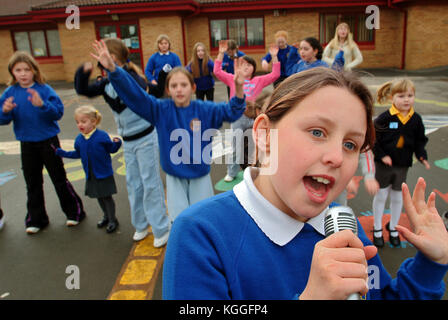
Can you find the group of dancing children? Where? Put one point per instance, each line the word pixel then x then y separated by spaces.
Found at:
pixel 270 226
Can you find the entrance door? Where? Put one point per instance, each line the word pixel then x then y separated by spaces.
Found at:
pixel 128 31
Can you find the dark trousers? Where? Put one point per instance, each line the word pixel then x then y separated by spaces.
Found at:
pixel 107 204
pixel 36 155
pixel 209 94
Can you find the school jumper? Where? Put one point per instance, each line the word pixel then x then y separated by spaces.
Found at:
pixel 183 135
pixel 94 149
pixel 252 89
pixel 295 64
pixel 282 57
pixel 248 249
pixel 36 128
pixel 205 84
pixel 141 154
pixel 157 61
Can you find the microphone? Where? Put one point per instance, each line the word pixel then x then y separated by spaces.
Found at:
pixel 337 219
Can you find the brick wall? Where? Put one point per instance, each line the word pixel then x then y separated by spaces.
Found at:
pixel 5 54
pixel 427 36
pixel 76 45
pixel 152 27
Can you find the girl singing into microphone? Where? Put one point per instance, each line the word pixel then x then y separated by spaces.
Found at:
pixel 265 238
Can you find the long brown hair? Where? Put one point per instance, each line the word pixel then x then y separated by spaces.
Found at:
pixel 121 52
pixel 194 62
pixel 298 86
pixel 22 56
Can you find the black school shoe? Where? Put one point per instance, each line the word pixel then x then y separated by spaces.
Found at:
pixel 395 241
pixel 102 223
pixel 112 226
pixel 378 241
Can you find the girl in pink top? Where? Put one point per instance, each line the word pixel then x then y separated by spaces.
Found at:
pixel 252 87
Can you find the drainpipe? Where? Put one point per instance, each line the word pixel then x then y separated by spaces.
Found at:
pixel 405 27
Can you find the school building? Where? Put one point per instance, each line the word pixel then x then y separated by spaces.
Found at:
pixel 411 34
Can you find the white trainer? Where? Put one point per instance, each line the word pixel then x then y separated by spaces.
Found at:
pixel 32 230
pixel 71 223
pixel 160 242
pixel 228 178
pixel 140 235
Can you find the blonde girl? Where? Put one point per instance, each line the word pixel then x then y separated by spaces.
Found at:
pixel 281 41
pixel 343 41
pixel 201 67
pixel 94 147
pixel 141 153
pixel 400 134
pixel 35 109
pixel 164 57
pixel 184 127
pixel 265 238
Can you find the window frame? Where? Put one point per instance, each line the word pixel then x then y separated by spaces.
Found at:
pixel 356 15
pixel 240 47
pixel 47 47
pixel 116 25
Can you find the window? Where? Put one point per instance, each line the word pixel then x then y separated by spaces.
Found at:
pixel 361 35
pixel 128 32
pixel 247 32
pixel 40 43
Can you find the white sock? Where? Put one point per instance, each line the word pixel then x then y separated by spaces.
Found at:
pixel 396 204
pixel 379 201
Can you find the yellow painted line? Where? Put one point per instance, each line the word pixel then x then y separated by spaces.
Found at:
pixel 139 273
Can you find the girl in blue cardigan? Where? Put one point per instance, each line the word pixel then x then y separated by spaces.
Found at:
pixel 265 238
pixel 184 127
pixel 94 146
pixel 35 109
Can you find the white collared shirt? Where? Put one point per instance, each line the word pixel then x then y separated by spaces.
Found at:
pixel 279 227
pixel 164 54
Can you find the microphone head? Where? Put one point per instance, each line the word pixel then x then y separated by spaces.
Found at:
pixel 340 218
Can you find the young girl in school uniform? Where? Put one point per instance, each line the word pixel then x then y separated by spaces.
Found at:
pixel 35 109
pixel 399 134
pixel 201 67
pixel 186 162
pixel 164 56
pixel 94 147
pixel 253 86
pixel 265 238
pixel 141 153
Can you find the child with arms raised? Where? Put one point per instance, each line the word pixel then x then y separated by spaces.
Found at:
pixel 186 162
pixel 265 238
pixel 35 109
pixel 253 86
pixel 94 146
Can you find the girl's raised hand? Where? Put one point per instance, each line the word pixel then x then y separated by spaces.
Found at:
pixel 35 98
pixel 429 234
pixel 273 49
pixel 102 55
pixel 223 46
pixel 8 105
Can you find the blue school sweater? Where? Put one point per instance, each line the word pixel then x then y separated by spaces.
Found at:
pixel 94 151
pixel 227 63
pixel 295 65
pixel 217 251
pixel 184 153
pixel 282 57
pixel 204 82
pixel 156 63
pixel 33 124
